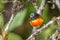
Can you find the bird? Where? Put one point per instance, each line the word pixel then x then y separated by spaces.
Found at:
pixel 35 19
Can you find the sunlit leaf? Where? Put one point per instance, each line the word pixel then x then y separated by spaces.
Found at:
pixel 38 2
pixel 46 33
pixel 13 36
pixel 18 19
pixel 45 15
pixel 25 30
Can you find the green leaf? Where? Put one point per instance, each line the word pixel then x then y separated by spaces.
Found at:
pixel 30 9
pixel 45 15
pixel 26 28
pixel 46 33
pixel 49 13
pixel 38 2
pixel 1 20
pixel 2 5
pixel 13 36
pixel 18 19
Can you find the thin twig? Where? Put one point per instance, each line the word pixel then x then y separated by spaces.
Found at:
pixel 15 4
pixel 5 31
pixel 43 27
pixel 53 5
pixel 56 34
pixel 57 2
pixel 33 30
pixel 34 3
pixel 53 37
pixel 7 27
pixel 39 11
pixel 9 1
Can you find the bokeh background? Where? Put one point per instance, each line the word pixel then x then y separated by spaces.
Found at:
pixel 20 28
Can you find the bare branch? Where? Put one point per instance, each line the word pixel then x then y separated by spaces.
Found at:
pixel 7 27
pixel 5 31
pixel 39 11
pixel 43 27
pixel 34 3
pixel 33 30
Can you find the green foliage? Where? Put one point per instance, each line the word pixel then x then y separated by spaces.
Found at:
pixel 30 7
pixel 2 5
pixel 1 20
pixel 38 2
pixel 26 31
pixel 18 19
pixel 55 12
pixel 13 36
pixel 21 20
pixel 46 33
pixel 45 15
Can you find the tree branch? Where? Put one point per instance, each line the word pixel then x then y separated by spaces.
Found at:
pixel 5 31
pixel 39 11
pixel 43 27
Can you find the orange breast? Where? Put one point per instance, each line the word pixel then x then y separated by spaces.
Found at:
pixel 37 22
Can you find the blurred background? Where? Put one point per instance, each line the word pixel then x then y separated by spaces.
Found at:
pixel 20 28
